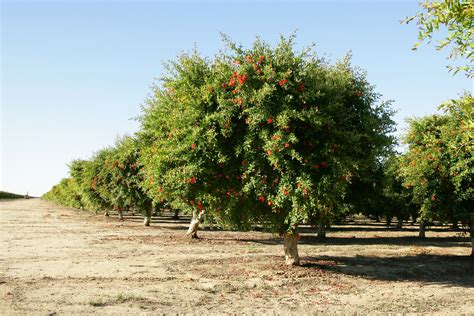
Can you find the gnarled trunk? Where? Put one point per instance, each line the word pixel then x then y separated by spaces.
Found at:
pixel 147 220
pixel 291 249
pixel 193 227
pixel 120 215
pixel 389 220
pixel 321 229
pixel 147 217
pixel 422 234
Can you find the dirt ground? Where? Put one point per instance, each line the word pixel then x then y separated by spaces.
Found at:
pixel 56 260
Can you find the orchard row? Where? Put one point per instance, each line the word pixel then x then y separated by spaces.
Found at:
pixel 275 137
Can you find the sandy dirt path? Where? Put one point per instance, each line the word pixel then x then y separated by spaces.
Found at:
pixel 56 260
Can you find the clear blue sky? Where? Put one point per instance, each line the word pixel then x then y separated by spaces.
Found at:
pixel 75 73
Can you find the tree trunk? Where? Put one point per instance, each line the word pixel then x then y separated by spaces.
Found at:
pixel 414 216
pixel 321 229
pixel 291 249
pixel 422 229
pixel 120 215
pixel 389 220
pixel 147 220
pixel 399 222
pixel 176 216
pixel 106 213
pixel 455 225
pixel 472 237
pixel 193 227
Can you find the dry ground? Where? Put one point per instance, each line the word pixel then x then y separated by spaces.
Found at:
pixel 56 260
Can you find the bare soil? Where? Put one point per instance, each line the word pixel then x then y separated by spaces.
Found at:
pixel 55 260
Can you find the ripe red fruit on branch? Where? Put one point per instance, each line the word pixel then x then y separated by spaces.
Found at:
pixel 287 145
pixel 262 198
pixel 192 180
pixel 286 192
pixel 242 79
pixel 261 58
pixel 193 146
pixel 270 203
pixel 270 120
pixel 248 58
pixel 238 101
pixel 282 82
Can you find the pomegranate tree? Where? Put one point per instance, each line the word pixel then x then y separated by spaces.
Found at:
pixel 260 135
pixel 438 167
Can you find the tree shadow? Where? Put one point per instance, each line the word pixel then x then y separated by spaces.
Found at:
pixel 380 240
pixel 154 219
pixel 378 228
pixel 368 241
pixel 448 270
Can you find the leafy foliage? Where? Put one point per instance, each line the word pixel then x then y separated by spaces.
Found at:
pixel 111 179
pixel 397 199
pixel 439 166
pixel 8 195
pixel 457 16
pixel 261 134
pixel 66 192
